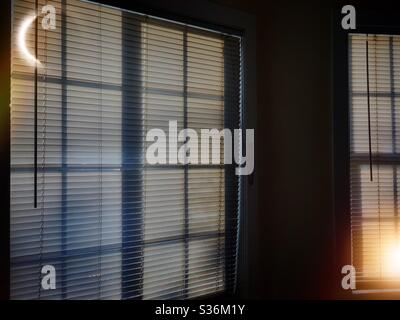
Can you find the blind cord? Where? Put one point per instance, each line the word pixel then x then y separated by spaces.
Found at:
pixel 369 112
pixel 218 276
pixel 35 137
pixel 377 155
pixel 100 222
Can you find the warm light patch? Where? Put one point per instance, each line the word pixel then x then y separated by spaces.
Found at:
pixel 22 41
pixel 392 262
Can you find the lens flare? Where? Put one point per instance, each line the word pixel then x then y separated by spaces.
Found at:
pixel 392 263
pixel 22 40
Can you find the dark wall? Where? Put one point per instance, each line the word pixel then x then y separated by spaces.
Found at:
pixel 294 149
pixel 294 145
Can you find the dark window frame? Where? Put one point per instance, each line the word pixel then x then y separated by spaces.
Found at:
pixel 5 60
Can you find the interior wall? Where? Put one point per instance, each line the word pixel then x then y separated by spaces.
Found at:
pixel 293 149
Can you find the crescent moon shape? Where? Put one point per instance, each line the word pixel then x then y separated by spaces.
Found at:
pixel 22 40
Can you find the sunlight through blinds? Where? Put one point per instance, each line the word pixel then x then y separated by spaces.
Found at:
pixel 375 77
pixel 113 226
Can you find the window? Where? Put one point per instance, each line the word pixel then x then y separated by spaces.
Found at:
pixel 375 159
pixel 113 226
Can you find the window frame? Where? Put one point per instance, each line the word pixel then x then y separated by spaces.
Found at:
pixel 370 19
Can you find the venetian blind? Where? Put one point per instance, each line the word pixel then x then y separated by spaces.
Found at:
pixel 374 160
pixel 112 225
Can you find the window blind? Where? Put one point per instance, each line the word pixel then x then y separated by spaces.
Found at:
pixel 374 159
pixel 112 225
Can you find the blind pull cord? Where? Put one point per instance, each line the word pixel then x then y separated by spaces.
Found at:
pixel 369 112
pixel 35 135
pixel 43 160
